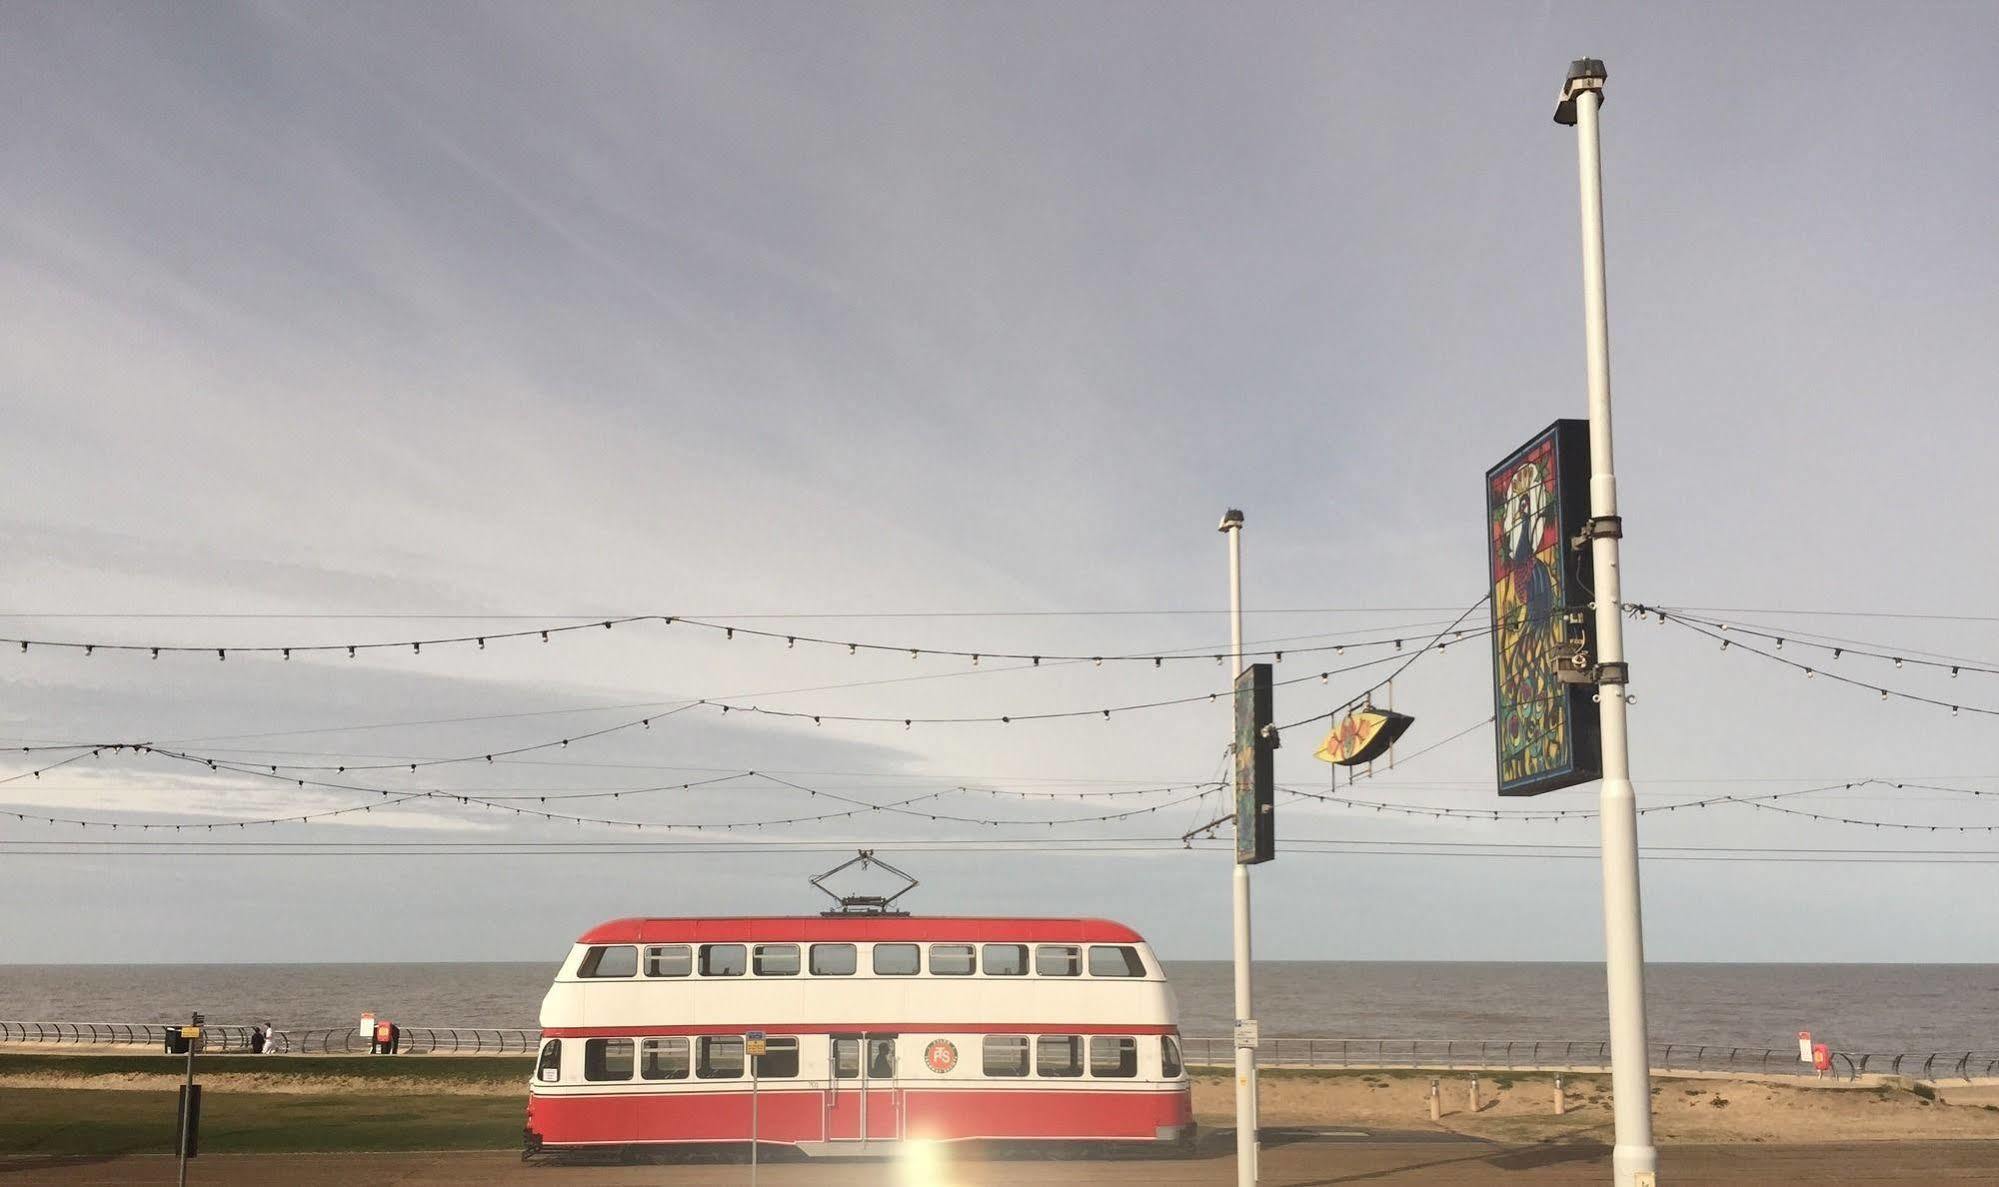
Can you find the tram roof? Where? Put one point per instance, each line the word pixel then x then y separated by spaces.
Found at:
pixel 725 929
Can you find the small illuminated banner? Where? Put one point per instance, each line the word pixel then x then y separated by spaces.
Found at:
pixel 1363 736
pixel 1255 768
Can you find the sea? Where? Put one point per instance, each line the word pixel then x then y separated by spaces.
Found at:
pixel 1891 1008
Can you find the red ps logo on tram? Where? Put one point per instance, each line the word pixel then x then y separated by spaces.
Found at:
pixel 941 1056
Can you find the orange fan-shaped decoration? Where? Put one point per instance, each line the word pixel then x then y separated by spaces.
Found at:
pixel 1363 736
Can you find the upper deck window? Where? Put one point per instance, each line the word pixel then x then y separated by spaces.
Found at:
pixel 669 960
pixel 617 960
pixel 1005 960
pixel 1115 960
pixel 777 960
pixel 897 960
pixel 724 960
pixel 1058 960
pixel 833 960
pixel 952 960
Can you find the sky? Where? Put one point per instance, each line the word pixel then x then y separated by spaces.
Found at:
pixel 959 327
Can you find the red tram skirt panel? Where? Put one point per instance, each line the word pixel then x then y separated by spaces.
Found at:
pixel 790 1115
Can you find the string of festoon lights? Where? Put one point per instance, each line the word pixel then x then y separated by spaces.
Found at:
pixel 1436 643
pixel 645 723
pixel 1909 658
pixel 222 651
pixel 1765 801
pixel 1721 635
pixel 390 796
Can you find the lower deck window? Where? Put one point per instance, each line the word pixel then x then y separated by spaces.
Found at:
pixel 1113 1056
pixel 1006 1055
pixel 881 1059
pixel 721 1057
pixel 779 1060
pixel 1169 1056
pixel 663 1059
pixel 607 1059
pixel 1058 1055
pixel 550 1067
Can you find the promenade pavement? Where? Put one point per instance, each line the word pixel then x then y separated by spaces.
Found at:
pixel 1309 1161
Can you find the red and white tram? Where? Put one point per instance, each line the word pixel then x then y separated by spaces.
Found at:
pixel 876 1030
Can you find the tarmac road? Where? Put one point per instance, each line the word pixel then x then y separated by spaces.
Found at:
pixel 1305 1160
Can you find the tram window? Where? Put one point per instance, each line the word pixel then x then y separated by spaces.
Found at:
pixel 607 1059
pixel 1058 960
pixel 669 960
pixel 1113 1055
pixel 897 960
pixel 833 960
pixel 1115 961
pixel 779 1060
pixel 777 960
pixel 1005 960
pixel 846 1059
pixel 952 960
pixel 724 960
pixel 618 960
pixel 721 1058
pixel 881 1059
pixel 663 1059
pixel 1169 1056
pixel 1058 1055
pixel 1006 1055
pixel 550 1067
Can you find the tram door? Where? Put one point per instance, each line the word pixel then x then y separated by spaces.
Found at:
pixel 862 1101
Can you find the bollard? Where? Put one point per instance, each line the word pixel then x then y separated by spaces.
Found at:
pixel 1561 1102
pixel 1436 1100
pixel 1474 1094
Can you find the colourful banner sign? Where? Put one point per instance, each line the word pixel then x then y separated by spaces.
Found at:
pixel 1536 504
pixel 1255 768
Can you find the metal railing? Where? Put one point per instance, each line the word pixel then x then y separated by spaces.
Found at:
pixel 1305 1052
pixel 234 1038
pixel 1580 1055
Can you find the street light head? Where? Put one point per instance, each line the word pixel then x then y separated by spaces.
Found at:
pixel 1585 74
pixel 1230 519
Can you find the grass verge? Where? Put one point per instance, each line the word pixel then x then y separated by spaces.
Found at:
pixel 442 1071
pixel 100 1122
